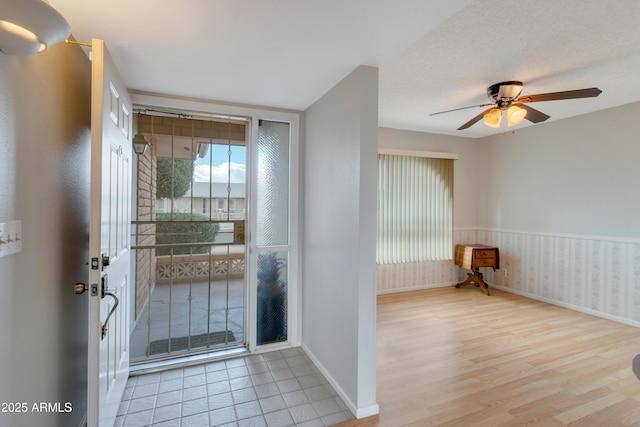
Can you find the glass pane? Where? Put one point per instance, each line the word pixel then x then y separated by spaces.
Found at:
pixel 174 164
pixel 177 229
pixel 173 182
pixel 272 222
pixel 272 297
pixel 219 181
pixel 190 287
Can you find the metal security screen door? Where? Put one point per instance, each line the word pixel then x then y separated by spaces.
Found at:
pixel 189 236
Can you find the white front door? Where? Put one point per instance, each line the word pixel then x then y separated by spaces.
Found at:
pixel 109 275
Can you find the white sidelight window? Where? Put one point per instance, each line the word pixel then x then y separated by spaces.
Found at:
pixel 273 233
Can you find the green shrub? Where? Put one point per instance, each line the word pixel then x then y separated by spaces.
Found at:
pixel 179 178
pixel 178 230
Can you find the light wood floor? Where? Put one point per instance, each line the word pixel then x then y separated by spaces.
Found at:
pixel 456 357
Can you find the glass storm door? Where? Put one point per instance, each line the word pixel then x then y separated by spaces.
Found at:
pixel 190 236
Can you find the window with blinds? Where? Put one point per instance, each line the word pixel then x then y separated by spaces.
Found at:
pixel 415 209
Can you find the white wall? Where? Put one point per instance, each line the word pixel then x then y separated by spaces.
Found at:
pixel 577 176
pixel 561 202
pixel 44 160
pixel 411 276
pixel 7 213
pixel 338 292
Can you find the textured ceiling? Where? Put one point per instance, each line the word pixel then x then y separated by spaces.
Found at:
pixel 548 45
pixel 433 55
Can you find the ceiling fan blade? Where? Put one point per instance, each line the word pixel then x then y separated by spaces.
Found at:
pixel 458 109
pixel 567 94
pixel 533 115
pixel 475 120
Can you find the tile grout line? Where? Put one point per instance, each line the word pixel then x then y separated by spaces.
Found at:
pixel 315 405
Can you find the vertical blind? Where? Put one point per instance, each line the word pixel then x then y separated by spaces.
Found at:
pixel 415 209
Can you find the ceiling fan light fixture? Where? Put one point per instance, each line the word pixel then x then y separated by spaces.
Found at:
pixel 505 90
pixel 515 115
pixel 493 117
pixel 506 97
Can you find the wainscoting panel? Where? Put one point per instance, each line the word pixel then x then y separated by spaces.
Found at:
pixel 415 275
pixel 424 275
pixel 597 275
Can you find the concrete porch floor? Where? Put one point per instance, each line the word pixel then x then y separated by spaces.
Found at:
pixel 182 309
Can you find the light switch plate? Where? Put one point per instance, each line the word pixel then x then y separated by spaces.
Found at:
pixel 10 238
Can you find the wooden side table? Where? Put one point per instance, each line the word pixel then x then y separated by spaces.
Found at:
pixel 473 257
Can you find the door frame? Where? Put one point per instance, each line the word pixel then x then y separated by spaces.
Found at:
pixel 294 295
pixel 254 115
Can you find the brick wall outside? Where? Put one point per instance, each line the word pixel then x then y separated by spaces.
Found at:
pixel 189 127
pixel 146 233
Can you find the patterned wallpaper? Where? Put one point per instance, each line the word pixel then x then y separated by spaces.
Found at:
pixel 594 274
pixel 412 276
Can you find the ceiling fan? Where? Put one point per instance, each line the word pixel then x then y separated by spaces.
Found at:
pixel 506 97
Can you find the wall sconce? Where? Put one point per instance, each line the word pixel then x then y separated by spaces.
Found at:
pixel 140 144
pixel 30 26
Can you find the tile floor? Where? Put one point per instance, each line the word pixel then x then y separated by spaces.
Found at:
pixel 276 389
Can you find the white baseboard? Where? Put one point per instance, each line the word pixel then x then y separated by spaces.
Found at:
pixel 596 313
pixel 368 411
pixel 357 412
pixel 414 288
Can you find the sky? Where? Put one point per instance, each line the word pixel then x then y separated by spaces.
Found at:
pixel 218 170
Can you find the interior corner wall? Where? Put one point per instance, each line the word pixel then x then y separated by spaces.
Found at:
pixel 338 284
pixel 577 176
pixel 560 200
pixel 44 182
pixel 421 275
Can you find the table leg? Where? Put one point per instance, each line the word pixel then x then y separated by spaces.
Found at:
pixel 475 277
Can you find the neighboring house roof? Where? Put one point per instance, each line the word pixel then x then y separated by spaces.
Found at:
pixel 217 190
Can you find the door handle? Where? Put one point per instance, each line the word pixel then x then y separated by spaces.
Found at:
pixel 106 292
pixel 80 288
